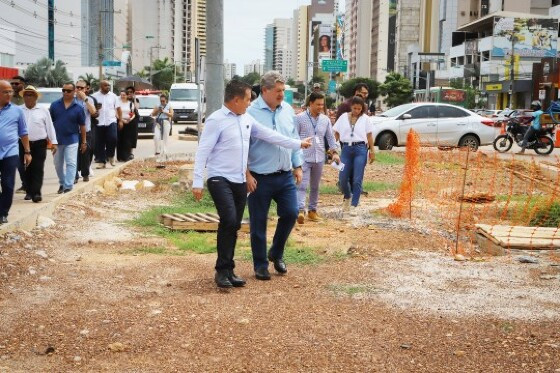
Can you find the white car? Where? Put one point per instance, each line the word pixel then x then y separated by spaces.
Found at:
pixel 436 124
pixel 48 96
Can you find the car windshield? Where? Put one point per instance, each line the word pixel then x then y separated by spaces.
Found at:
pixel 148 102
pixel 398 110
pixel 183 95
pixel 49 97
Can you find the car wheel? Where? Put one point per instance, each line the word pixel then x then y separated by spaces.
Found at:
pixel 386 141
pixel 469 140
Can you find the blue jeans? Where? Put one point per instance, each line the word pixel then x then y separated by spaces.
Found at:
pixel 355 159
pixel 8 167
pixel 66 155
pixel 281 189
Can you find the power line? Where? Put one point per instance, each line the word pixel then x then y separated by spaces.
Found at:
pixel 34 14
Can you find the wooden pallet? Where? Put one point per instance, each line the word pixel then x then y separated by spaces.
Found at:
pixel 195 222
pixel 524 238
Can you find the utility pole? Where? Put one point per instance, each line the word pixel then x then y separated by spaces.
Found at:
pixel 215 54
pixel 51 30
pixel 511 72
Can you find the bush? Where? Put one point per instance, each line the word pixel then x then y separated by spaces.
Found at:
pixel 547 216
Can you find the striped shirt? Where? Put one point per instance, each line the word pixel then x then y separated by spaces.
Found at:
pixel 317 128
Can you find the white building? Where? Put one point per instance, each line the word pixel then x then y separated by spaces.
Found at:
pixel 230 70
pixel 8 46
pixel 255 66
pixel 282 58
pixel 300 41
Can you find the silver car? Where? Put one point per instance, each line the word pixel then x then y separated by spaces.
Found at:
pixel 436 124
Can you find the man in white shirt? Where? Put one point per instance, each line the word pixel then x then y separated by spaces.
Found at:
pixel 223 151
pixel 109 117
pixel 41 129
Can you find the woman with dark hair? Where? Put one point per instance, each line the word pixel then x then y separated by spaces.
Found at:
pixel 128 109
pixel 354 131
pixel 324 43
pixel 163 114
pixel 133 125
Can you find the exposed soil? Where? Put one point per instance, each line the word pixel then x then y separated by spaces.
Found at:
pixel 83 296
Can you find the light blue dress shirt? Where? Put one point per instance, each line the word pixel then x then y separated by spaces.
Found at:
pixel 12 127
pixel 224 145
pixel 265 158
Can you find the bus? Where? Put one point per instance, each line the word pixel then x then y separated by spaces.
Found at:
pixel 446 95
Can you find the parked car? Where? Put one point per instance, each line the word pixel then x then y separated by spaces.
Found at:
pixel 147 103
pixel 490 113
pixel 436 124
pixel 48 96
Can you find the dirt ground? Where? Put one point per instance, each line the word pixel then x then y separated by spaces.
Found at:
pixel 84 295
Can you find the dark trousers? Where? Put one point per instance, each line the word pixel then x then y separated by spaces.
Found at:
pixel 8 167
pixel 105 142
pixel 35 172
pixel 281 189
pixel 125 142
pixel 230 199
pixel 84 159
pixel 21 165
pixel 529 136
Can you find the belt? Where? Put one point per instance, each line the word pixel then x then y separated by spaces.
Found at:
pixel 354 143
pixel 33 142
pixel 279 172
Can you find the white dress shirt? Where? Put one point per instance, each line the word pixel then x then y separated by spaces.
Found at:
pixel 224 145
pixel 108 112
pixel 39 124
pixel 359 133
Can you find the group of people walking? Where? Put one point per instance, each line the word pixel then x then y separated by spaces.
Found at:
pixel 78 128
pixel 252 152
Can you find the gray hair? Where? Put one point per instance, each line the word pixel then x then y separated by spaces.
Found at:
pixel 270 79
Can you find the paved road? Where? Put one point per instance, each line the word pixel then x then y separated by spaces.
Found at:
pixel 145 149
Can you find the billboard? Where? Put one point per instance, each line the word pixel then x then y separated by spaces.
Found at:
pixel 325 43
pixel 531 37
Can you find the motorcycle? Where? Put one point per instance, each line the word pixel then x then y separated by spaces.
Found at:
pixel 542 143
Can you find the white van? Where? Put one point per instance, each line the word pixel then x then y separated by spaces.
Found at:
pixel 183 98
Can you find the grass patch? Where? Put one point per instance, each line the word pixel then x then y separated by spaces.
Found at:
pixel 367 186
pixel 388 158
pixel 292 254
pixel 201 243
pixel 173 179
pixel 547 216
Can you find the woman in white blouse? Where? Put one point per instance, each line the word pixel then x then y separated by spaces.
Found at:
pixel 354 131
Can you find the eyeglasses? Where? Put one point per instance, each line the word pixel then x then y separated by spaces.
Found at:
pixel 15 83
pixel 78 87
pixel 67 90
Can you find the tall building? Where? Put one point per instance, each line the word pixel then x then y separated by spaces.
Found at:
pixel 300 40
pixel 282 47
pixel 187 26
pixel 97 31
pixel 268 47
pixel 230 70
pixel 407 33
pixel 255 66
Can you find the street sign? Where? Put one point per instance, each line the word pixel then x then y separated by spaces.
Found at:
pixel 332 86
pixel 111 63
pixel 334 66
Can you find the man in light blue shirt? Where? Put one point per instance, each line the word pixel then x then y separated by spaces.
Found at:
pixel 12 128
pixel 535 126
pixel 223 150
pixel 271 178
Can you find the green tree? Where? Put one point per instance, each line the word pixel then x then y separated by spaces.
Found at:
pixel 45 73
pixel 251 78
pixel 164 73
pixel 91 80
pixel 347 88
pixel 397 89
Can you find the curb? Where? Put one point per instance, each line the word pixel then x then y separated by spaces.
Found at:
pixel 29 221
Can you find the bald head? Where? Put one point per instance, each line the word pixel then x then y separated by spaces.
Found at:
pixel 104 86
pixel 6 92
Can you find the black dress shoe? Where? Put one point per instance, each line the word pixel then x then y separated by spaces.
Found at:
pixel 262 274
pixel 76 180
pixel 235 280
pixel 279 265
pixel 60 190
pixel 37 198
pixel 222 279
pixel 3 219
pixel 67 190
pixel 86 179
pixel 27 197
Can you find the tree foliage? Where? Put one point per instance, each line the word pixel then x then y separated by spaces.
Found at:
pixel 397 89
pixel 45 73
pixel 251 78
pixel 347 88
pixel 164 73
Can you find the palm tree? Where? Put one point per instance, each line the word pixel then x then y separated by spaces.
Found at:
pixel 91 80
pixel 44 73
pixel 162 74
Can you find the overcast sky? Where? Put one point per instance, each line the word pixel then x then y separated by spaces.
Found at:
pixel 244 23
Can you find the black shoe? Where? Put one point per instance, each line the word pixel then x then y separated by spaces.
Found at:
pixel 236 281
pixel 20 190
pixel 37 198
pixel 3 219
pixel 222 279
pixel 67 190
pixel 60 190
pixel 131 157
pixel 86 179
pixel 76 180
pixel 27 197
pixel 279 265
pixel 262 274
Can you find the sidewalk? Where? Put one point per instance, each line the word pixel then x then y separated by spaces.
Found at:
pixel 23 214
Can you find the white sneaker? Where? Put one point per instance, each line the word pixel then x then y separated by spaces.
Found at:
pixel 345 204
pixel 112 161
pixel 353 211
pixel 91 171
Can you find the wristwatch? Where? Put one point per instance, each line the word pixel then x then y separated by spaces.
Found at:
pixel 27 152
pixel 86 100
